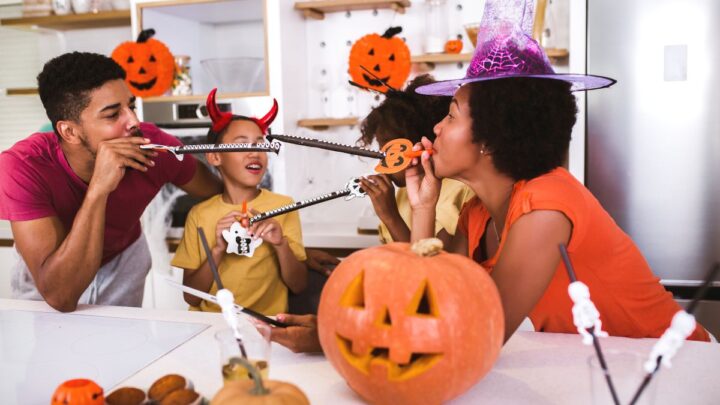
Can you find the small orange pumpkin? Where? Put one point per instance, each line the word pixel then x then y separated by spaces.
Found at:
pixel 386 57
pixel 409 325
pixel 453 46
pixel 148 64
pixel 254 391
pixel 78 392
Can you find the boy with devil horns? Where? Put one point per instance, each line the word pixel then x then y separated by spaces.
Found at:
pixel 264 259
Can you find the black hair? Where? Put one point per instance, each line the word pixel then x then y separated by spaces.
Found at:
pixel 525 123
pixel 405 114
pixel 66 81
pixel 216 137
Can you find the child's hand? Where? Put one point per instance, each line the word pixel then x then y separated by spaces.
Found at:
pixel 223 224
pixel 268 230
pixel 382 195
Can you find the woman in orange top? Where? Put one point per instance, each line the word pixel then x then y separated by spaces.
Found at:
pixel 506 137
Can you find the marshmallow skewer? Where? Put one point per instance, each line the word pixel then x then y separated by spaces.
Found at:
pixel 349 192
pixel 683 324
pixel 179 151
pixel 586 318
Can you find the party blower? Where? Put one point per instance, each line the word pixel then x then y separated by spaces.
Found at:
pixel 180 151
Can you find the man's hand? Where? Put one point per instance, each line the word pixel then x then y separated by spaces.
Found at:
pixel 382 195
pixel 113 157
pixel 301 336
pixel 321 261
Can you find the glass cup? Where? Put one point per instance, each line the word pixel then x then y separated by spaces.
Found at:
pixel 254 346
pixel 627 373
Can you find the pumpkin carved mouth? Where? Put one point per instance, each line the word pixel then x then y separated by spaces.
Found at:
pixel 376 82
pixel 365 356
pixel 144 86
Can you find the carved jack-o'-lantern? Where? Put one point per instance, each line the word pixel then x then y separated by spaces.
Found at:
pixel 78 392
pixel 386 57
pixel 148 64
pixel 410 326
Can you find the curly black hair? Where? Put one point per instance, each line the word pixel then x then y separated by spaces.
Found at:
pixel 405 114
pixel 525 123
pixel 66 81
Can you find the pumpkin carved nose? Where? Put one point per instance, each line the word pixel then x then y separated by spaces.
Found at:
pixel 376 68
pixel 142 71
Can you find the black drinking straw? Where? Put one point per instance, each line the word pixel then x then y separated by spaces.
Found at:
pixel 210 260
pixel 216 275
pixel 591 330
pixel 690 309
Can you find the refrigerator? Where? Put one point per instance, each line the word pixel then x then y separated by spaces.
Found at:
pixel 653 139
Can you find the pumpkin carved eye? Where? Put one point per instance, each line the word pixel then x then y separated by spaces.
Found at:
pixel 152 58
pixel 130 59
pixel 392 57
pixel 372 52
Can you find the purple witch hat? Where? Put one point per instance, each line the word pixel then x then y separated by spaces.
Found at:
pixel 504 49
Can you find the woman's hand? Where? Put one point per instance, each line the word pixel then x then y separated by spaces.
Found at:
pixel 382 195
pixel 268 230
pixel 423 187
pixel 321 261
pixel 301 336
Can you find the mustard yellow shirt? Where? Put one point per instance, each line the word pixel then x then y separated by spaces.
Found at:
pixel 453 194
pixel 254 281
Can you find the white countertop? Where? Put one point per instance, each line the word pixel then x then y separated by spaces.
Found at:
pixel 537 368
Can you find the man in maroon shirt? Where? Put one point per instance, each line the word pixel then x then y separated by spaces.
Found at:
pixel 74 197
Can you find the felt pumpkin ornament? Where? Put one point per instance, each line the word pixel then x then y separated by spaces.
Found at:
pixel 386 56
pixel 410 324
pixel 454 46
pixel 78 392
pixel 254 391
pixel 148 64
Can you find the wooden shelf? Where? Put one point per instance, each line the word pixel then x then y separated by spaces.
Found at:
pixel 21 91
pixel 317 9
pixel 115 18
pixel 319 124
pixel 442 58
pixel 557 53
pixel 200 97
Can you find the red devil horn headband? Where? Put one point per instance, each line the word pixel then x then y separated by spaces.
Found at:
pixel 268 118
pixel 220 120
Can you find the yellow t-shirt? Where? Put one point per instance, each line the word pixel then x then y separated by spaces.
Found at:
pixel 254 281
pixel 453 194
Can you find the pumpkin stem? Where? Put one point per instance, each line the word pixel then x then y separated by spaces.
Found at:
pixel 144 35
pixel 427 247
pixel 259 388
pixel 391 32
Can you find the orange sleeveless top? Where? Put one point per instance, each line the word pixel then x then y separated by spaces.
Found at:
pixel 630 298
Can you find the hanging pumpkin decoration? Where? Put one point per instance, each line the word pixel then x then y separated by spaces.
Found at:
pixel 148 64
pixel 410 325
pixel 386 57
pixel 254 391
pixel 78 392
